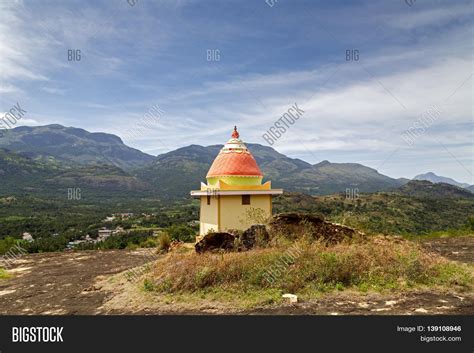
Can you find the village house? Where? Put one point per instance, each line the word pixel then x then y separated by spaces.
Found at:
pixel 117 230
pixel 104 233
pixel 27 236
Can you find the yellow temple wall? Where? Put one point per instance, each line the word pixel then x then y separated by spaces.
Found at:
pixel 208 215
pixel 227 212
pixel 232 213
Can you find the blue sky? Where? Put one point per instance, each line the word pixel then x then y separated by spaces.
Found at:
pixel 414 73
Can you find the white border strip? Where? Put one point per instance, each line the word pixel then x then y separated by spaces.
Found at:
pixel 237 192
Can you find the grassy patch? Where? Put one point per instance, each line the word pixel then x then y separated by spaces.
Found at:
pixel 4 274
pixel 148 285
pixel 307 269
pixel 463 232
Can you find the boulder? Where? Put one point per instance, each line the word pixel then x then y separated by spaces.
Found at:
pixel 215 241
pixel 292 298
pixel 255 234
pixel 234 239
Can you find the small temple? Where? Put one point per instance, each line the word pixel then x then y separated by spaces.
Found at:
pixel 234 192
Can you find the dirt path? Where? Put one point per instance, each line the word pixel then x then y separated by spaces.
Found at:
pixel 413 303
pixel 66 284
pixel 455 248
pixel 63 283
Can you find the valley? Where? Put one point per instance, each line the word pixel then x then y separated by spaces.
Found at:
pixel 57 202
pixel 107 177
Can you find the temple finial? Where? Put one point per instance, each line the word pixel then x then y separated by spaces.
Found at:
pixel 235 134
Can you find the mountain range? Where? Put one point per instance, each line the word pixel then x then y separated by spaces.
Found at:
pixel 176 172
pixel 430 176
pixel 45 158
pixel 72 146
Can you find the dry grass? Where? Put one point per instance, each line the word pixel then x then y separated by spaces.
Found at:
pixel 375 264
pixel 164 242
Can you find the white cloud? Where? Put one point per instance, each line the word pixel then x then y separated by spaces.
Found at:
pixel 53 90
pixel 420 17
pixel 8 88
pixel 352 111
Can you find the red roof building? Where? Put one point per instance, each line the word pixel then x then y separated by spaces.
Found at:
pixel 234 159
pixel 234 190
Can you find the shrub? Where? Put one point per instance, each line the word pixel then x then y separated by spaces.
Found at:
pixel 3 274
pixel 254 215
pixel 131 246
pixel 379 263
pixel 147 285
pixel 6 244
pixel 164 242
pixel 148 243
pixel 181 232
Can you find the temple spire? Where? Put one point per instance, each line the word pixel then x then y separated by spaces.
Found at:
pixel 235 134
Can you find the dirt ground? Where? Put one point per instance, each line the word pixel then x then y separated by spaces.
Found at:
pixel 63 283
pixel 73 283
pixel 455 248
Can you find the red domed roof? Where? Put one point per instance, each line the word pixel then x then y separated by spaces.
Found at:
pixel 234 163
pixel 234 159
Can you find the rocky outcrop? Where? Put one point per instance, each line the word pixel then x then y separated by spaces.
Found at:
pixel 292 226
pixel 295 225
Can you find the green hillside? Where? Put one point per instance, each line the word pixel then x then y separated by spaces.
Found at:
pixel 173 174
pixel 23 176
pixel 72 146
pixel 417 208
